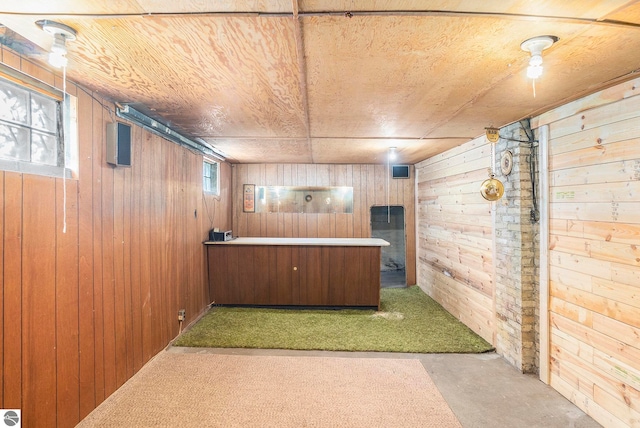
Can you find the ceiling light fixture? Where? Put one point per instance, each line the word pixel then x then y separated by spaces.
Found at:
pixel 61 33
pixel 392 153
pixel 535 46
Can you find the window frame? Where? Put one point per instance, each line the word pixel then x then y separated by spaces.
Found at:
pixel 216 191
pixel 69 149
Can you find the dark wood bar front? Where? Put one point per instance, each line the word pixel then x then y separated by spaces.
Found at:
pixel 295 271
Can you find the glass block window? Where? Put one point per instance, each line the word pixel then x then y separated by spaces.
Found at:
pixel 210 182
pixel 29 126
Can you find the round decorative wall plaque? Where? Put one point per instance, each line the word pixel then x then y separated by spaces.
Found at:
pixel 506 162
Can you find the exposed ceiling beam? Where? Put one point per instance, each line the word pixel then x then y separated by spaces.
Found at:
pixel 302 67
pixel 302 14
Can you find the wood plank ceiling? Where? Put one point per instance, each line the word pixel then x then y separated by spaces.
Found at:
pixel 283 81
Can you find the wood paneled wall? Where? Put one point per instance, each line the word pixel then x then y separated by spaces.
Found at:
pixel 455 239
pixel 83 310
pixel 594 253
pixel 369 189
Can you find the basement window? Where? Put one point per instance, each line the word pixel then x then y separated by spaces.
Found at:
pixel 31 130
pixel 211 177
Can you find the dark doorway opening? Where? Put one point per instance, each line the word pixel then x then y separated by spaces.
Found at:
pixel 387 222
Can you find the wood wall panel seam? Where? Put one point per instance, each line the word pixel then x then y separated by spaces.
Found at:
pixel 12 357
pixel 67 310
pixel 39 387
pixel 98 158
pixel 86 337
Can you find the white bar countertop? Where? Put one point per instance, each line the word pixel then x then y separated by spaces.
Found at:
pixel 335 242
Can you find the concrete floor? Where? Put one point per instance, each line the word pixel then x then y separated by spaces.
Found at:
pixel 393 278
pixel 483 390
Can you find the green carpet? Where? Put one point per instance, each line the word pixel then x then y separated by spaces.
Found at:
pixel 409 321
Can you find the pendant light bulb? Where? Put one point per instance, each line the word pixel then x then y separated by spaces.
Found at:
pixel 535 46
pixel 58 60
pixel 61 34
pixel 534 71
pixel 392 153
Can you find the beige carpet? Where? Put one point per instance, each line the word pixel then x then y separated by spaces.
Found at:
pixel 198 390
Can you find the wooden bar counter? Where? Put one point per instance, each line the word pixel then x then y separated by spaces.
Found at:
pixel 295 271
